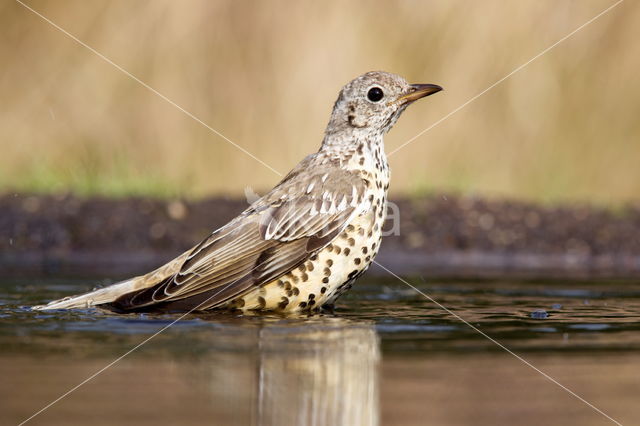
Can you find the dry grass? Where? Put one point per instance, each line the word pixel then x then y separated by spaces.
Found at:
pixel 266 74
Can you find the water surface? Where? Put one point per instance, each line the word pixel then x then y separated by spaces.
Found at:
pixel 386 356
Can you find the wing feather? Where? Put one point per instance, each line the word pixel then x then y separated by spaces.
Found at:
pixel 278 232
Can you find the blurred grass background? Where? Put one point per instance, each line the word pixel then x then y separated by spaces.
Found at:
pixel 265 74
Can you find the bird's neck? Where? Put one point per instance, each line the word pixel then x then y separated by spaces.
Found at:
pixel 346 141
pixel 361 152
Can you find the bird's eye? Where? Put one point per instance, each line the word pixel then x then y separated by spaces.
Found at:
pixel 375 94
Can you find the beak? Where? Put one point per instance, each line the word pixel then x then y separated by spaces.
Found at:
pixel 418 91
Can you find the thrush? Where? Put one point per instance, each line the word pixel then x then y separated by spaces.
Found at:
pixel 302 245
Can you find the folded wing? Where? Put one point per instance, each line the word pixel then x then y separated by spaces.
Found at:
pixel 304 213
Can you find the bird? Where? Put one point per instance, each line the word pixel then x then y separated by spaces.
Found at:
pixel 304 243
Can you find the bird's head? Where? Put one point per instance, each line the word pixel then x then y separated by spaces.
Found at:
pixel 373 102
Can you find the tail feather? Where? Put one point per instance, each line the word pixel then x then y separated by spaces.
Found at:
pixel 93 298
pixel 111 293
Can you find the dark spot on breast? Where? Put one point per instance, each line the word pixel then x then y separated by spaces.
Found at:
pixel 323 290
pixel 337 249
pixel 312 302
pixel 289 293
pixel 365 250
pixel 287 285
pixel 373 246
pixel 303 304
pixel 283 304
pixel 261 302
pixel 280 283
pixel 239 302
pixel 312 296
pixel 350 228
pixel 296 291
pixel 351 242
pixel 329 248
pixel 327 271
pixel 357 261
pixel 347 250
pixel 361 161
pixel 314 257
pixel 305 277
pixel 369 234
pixel 325 280
pixel 329 262
pixel 361 232
pixel 295 279
pixel 310 266
pixel 302 268
pixel 368 258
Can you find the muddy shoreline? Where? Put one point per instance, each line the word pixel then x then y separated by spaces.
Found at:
pixel 437 237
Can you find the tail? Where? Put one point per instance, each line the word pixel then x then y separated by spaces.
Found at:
pixel 111 293
pixel 93 298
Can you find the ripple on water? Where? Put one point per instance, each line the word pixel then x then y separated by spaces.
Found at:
pixel 509 312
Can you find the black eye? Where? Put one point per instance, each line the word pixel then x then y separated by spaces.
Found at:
pixel 375 94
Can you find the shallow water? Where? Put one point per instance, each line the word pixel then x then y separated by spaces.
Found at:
pixel 386 356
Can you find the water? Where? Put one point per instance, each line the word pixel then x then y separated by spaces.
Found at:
pixel 386 356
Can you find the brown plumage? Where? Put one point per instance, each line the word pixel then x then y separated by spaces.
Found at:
pixel 302 244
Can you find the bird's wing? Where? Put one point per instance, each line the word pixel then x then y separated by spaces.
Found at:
pixel 302 214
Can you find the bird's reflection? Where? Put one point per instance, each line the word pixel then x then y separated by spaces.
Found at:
pixel 295 372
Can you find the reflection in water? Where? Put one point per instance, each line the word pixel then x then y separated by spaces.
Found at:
pixel 224 371
pixel 312 373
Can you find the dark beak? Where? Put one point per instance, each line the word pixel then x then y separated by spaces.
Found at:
pixel 418 91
